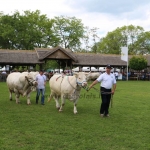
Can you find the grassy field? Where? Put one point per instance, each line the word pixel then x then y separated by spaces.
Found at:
pixel 38 127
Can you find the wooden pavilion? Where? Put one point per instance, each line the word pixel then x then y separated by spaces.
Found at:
pixel 65 58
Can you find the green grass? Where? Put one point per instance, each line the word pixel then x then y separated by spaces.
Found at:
pixel 38 127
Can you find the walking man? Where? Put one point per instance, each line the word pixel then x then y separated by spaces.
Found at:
pixel 41 80
pixel 107 88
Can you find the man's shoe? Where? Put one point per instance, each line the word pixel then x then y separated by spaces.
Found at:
pixel 107 115
pixel 42 104
pixel 101 115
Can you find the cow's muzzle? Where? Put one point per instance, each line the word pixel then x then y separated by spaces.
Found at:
pixel 82 84
pixel 31 82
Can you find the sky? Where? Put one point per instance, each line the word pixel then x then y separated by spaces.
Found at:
pixel 106 15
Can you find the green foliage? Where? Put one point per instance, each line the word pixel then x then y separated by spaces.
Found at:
pixel 123 36
pixel 51 64
pixel 26 31
pixel 138 63
pixel 32 29
pixel 143 43
pixel 38 127
pixel 69 31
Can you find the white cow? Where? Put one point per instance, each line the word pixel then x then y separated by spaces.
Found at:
pixel 67 87
pixel 20 83
pixel 93 75
pixel 32 73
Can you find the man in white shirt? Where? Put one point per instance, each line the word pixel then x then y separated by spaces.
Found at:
pixel 107 87
pixel 116 75
pixel 41 80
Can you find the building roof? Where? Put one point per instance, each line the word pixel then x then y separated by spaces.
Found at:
pixel 39 55
pixel 19 57
pixel 92 59
pixel 43 53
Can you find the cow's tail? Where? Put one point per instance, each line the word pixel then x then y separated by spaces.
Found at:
pixel 50 97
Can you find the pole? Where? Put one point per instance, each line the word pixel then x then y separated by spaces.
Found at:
pixel 127 69
pixel 127 62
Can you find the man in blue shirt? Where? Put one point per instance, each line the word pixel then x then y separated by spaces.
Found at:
pixel 41 80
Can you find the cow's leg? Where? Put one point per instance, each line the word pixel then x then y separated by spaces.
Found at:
pixel 10 94
pixel 62 103
pixel 56 98
pixel 50 98
pixel 75 107
pixel 17 95
pixel 28 99
pixel 17 98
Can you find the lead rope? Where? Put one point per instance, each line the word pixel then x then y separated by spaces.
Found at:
pixel 70 83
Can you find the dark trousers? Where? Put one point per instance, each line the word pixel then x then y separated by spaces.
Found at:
pixel 105 96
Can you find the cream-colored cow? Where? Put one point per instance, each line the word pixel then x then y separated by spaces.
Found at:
pixel 93 75
pixel 67 87
pixel 20 84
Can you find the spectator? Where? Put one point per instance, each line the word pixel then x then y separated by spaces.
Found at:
pixel 41 80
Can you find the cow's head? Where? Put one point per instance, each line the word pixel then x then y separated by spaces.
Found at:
pixel 88 76
pixel 31 81
pixel 81 78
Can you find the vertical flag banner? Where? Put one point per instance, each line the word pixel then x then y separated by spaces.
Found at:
pixel 124 53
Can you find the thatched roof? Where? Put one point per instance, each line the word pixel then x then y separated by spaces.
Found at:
pixel 19 57
pixel 39 55
pixel 43 53
pixel 92 59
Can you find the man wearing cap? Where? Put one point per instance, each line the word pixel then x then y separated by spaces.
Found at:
pixel 41 80
pixel 107 87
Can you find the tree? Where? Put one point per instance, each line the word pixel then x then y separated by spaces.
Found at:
pixel 111 43
pixel 90 39
pixel 124 36
pixel 143 43
pixel 26 31
pixel 138 63
pixel 51 64
pixel 69 31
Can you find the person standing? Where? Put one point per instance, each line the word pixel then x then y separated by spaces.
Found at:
pixel 41 80
pixel 116 75
pixel 107 88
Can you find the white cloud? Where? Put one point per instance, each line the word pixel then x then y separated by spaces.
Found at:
pixel 105 15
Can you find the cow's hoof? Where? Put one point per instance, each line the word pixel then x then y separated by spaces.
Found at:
pixel 57 108
pixel 75 112
pixel 60 110
pixel 29 104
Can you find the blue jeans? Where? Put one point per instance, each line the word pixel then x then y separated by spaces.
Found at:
pixel 42 92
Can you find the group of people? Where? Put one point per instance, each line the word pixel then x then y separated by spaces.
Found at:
pixel 107 89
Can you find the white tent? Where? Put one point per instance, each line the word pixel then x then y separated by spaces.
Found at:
pixel 85 69
pixel 94 69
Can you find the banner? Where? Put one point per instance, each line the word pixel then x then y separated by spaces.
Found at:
pixel 124 53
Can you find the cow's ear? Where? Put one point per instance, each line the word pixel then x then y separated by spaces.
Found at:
pixel 75 74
